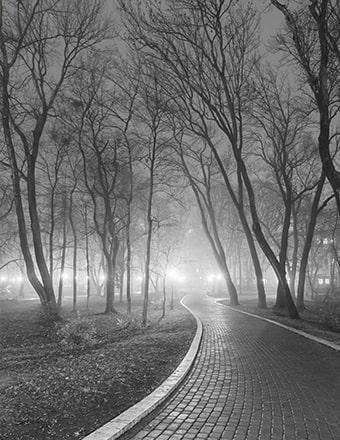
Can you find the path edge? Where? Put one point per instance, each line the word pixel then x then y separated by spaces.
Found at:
pixel 119 425
pixel 322 341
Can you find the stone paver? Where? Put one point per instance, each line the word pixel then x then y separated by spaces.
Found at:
pixel 251 380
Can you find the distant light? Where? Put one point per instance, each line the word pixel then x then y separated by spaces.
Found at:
pixel 173 272
pixel 215 276
pixel 102 277
pixel 64 276
pixel 3 278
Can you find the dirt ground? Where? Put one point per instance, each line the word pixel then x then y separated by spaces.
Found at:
pixel 55 388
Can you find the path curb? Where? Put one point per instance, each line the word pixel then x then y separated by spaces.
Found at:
pixel 128 419
pixel 291 329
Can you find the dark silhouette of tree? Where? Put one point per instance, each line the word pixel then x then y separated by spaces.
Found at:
pixel 200 169
pixel 207 53
pixel 33 35
pixel 312 40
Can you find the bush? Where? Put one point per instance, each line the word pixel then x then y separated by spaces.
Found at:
pixel 79 331
pixel 330 311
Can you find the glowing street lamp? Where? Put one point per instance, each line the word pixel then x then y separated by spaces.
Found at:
pixel 213 280
pixel 173 273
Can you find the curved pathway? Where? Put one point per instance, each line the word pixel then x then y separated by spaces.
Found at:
pixel 251 380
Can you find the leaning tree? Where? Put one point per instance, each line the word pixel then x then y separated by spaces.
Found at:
pixel 40 42
pixel 207 52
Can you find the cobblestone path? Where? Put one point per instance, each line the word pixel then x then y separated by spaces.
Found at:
pixel 251 380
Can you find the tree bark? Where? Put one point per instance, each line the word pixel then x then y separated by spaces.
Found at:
pixel 111 260
pixel 308 244
pixel 63 253
pixel 75 252
pixel 148 255
pixel 44 289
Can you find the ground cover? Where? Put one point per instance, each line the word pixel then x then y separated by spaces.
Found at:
pixel 53 386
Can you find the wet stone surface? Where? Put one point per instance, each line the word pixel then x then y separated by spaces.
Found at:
pixel 251 380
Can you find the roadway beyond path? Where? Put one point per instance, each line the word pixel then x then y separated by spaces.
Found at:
pixel 251 380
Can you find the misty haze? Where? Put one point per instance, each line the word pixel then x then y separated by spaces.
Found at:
pixel 169 208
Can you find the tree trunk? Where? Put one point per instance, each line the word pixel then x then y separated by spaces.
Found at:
pixel 147 269
pixel 164 297
pixel 44 289
pixel 74 273
pixel 294 265
pixel 111 260
pixel 261 293
pixel 230 286
pixel 110 292
pixel 245 225
pixel 308 244
pixel 149 220
pixel 281 302
pixel 87 257
pixel 213 236
pixel 51 235
pixel 240 272
pixel 279 271
pixel 121 284
pixel 63 254
pixel 75 251
pixel 128 267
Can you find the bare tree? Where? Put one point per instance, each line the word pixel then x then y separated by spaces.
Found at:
pixel 312 41
pixel 151 114
pixel 201 180
pixel 40 42
pixel 207 55
pixel 125 79
pixel 99 122
pixel 281 123
pixel 50 167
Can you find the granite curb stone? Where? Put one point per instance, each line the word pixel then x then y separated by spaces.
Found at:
pixel 330 344
pixel 121 424
pixel 251 380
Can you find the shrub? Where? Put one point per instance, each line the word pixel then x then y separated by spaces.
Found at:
pixel 79 331
pixel 330 311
